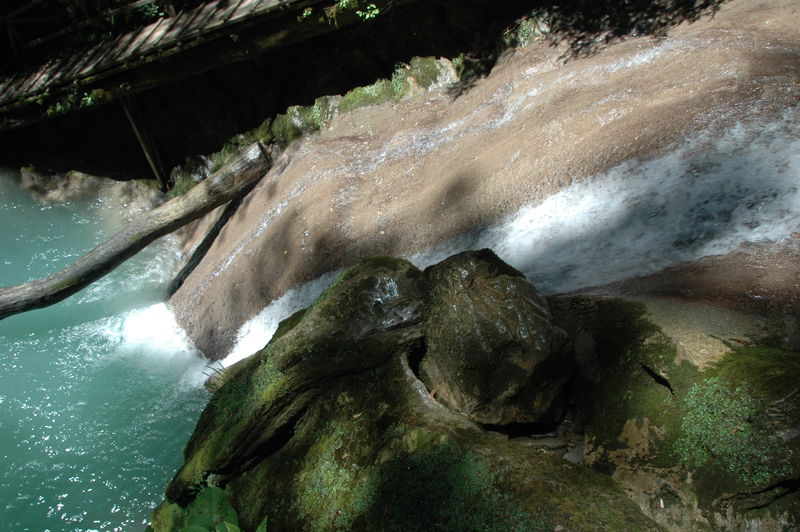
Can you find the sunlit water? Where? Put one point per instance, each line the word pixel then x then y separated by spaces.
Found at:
pixel 98 393
pixel 706 196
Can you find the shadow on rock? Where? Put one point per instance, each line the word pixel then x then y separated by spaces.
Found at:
pixel 328 427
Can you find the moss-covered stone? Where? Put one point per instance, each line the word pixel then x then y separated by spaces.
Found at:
pixel 698 438
pixel 374 94
pixel 328 428
pixel 419 73
pixel 493 352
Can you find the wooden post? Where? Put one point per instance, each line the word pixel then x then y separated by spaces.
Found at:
pixel 12 40
pixel 145 142
pixel 170 8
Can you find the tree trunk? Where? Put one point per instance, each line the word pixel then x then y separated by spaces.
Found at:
pixel 219 188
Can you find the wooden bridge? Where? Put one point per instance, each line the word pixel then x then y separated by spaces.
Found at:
pixel 239 29
pixel 171 48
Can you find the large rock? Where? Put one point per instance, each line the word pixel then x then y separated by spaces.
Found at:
pixel 329 428
pixel 492 351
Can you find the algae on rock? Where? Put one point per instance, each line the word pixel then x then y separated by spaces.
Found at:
pixel 330 428
pixel 492 351
pixel 713 447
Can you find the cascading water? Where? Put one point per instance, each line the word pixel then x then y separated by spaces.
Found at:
pixel 706 196
pixel 98 393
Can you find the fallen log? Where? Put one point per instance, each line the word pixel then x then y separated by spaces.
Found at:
pixel 226 184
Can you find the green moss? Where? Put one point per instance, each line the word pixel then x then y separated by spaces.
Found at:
pixel 423 70
pixel 289 323
pixel 322 111
pixel 326 493
pixel 727 425
pixel 183 182
pixel 230 397
pixel 774 373
pixel 237 144
pixel 442 486
pixel 225 154
pixel 525 29
pixel 263 132
pixel 283 131
pixel 168 516
pixel 426 480
pixel 374 94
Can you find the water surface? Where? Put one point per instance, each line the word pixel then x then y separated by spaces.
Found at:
pixel 98 393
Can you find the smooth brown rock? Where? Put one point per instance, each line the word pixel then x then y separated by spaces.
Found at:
pixel 492 350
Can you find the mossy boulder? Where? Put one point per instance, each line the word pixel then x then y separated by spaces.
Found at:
pixel 698 443
pixel 330 428
pixel 492 350
pixel 377 93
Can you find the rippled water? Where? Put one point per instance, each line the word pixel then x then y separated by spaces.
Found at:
pixel 706 196
pixel 98 393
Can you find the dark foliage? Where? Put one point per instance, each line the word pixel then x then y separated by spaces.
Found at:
pixel 590 24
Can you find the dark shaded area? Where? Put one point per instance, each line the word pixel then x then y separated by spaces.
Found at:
pixel 659 379
pixel 522 430
pixel 198 114
pixel 416 352
pixel 587 25
pixel 760 498
pixel 445 488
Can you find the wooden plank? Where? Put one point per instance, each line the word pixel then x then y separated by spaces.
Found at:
pixel 188 18
pixel 145 34
pixel 206 13
pixel 164 37
pixel 230 9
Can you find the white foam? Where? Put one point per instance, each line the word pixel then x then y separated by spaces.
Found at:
pixel 708 196
pixel 150 339
pixel 255 334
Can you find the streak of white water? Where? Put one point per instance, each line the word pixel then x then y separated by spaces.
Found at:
pixel 706 196
pixel 255 334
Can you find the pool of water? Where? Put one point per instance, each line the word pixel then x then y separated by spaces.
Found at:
pixel 98 393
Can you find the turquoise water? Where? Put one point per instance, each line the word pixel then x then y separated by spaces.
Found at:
pixel 98 393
